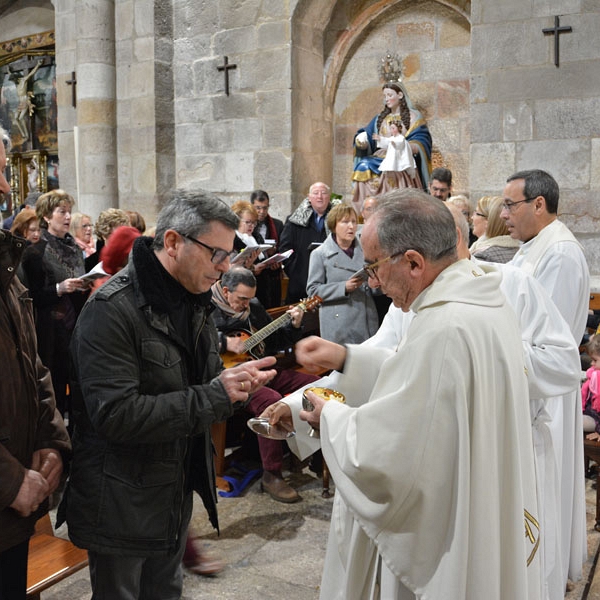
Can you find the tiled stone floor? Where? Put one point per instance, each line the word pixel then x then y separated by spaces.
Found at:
pixel 274 550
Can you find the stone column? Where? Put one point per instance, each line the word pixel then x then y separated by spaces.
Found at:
pixel 96 106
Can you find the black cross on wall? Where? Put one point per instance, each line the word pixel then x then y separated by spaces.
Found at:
pixel 225 68
pixel 556 31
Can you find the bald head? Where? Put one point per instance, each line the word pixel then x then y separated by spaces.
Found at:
pixel 462 230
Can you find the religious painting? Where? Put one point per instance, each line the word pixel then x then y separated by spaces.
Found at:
pixel 28 112
pixel 28 174
pixel 28 103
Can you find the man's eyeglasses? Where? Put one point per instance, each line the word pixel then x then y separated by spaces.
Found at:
pixel 508 205
pixel 371 269
pixel 218 254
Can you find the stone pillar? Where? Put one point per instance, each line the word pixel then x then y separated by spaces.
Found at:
pixel 96 157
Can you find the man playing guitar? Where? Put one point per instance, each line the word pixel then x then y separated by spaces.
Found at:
pixel 238 310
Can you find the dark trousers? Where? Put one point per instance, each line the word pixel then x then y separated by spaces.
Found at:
pixel 13 572
pixel 115 577
pixel 285 382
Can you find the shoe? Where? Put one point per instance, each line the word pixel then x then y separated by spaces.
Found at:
pixel 205 565
pixel 278 489
pixel 197 561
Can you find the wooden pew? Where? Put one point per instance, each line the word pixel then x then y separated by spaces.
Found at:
pixel 51 559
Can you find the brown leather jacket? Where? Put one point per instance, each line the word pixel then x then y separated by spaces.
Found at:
pixel 29 420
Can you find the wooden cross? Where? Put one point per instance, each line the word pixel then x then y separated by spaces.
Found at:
pixel 225 67
pixel 556 31
pixel 73 83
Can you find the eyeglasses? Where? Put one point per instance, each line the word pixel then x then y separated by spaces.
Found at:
pixel 371 269
pixel 218 254
pixel 508 205
pixel 253 223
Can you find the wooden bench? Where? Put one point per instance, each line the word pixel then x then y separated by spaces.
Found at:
pixel 51 559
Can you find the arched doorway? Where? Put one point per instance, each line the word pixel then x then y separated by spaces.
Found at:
pixel 339 45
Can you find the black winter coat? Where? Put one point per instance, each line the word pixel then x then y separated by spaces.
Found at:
pixel 147 399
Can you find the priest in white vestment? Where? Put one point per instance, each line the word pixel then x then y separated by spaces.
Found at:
pixel 434 472
pixel 553 368
pixel 553 256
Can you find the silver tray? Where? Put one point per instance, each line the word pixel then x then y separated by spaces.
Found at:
pixel 260 426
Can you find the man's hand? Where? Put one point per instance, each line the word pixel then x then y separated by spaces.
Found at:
pixel 244 379
pixel 48 462
pixel 315 353
pixel 313 417
pixel 235 344
pixel 296 313
pixel 32 492
pixel 279 414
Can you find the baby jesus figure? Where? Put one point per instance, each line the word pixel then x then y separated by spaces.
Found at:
pixel 398 168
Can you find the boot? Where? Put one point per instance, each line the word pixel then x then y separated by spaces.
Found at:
pixel 277 488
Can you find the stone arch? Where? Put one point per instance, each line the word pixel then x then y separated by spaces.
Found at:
pixel 328 38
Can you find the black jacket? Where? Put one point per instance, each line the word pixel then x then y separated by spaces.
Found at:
pixel 279 341
pixel 298 233
pixel 145 399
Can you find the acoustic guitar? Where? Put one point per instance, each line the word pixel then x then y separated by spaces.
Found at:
pixel 253 342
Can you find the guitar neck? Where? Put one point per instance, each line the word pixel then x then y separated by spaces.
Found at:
pixel 265 332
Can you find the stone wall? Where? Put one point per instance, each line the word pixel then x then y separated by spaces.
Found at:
pixel 434 44
pixel 527 113
pixel 233 144
pixel 153 114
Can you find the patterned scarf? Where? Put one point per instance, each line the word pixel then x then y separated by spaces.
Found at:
pixel 218 298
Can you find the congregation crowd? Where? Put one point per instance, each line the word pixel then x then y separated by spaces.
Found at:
pixel 452 328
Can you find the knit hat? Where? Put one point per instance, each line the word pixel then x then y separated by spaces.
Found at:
pixel 114 254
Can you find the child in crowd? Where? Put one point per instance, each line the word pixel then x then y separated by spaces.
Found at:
pixel 590 391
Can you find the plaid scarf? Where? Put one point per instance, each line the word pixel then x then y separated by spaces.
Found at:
pixel 218 299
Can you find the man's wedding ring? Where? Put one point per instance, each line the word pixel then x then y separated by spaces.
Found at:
pixel 243 385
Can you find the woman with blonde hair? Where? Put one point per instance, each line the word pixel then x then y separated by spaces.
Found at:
pixel 479 219
pixel 497 246
pixel 52 269
pixel 81 230
pixel 108 220
pixel 246 235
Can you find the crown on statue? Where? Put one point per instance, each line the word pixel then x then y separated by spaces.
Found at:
pixel 390 69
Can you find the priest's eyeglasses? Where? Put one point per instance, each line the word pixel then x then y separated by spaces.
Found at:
pixel 508 205
pixel 371 268
pixel 218 254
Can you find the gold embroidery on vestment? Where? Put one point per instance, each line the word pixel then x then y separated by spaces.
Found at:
pixel 530 534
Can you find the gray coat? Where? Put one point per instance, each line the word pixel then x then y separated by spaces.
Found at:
pixel 345 319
